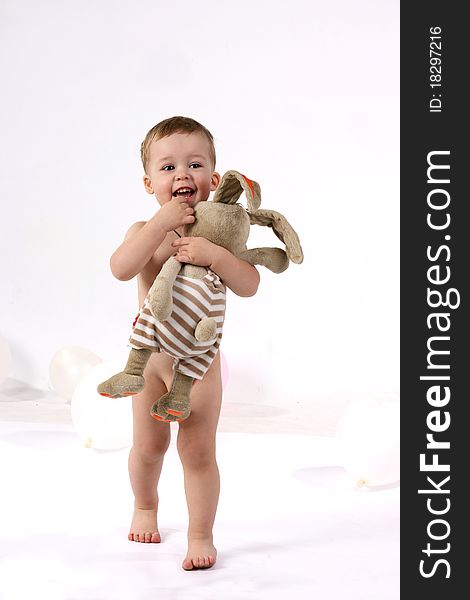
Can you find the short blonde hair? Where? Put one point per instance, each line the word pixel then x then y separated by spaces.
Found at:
pixel 170 126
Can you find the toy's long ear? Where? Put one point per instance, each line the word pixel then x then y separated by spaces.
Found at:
pixel 283 229
pixel 231 187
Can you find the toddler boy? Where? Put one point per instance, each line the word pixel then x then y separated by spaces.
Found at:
pixel 178 156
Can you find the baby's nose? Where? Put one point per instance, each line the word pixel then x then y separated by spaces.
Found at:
pixel 181 173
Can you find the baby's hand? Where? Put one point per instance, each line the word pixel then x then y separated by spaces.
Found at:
pixel 196 251
pixel 175 213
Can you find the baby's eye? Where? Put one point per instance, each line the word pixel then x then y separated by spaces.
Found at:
pixel 195 165
pixel 167 167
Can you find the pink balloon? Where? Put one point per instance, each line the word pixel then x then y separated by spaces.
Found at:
pixel 224 369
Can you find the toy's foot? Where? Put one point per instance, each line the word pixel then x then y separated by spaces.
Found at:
pixel 154 413
pixel 121 385
pixel 159 418
pixel 175 404
pixel 168 409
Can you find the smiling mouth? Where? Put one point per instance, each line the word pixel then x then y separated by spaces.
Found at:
pixel 185 192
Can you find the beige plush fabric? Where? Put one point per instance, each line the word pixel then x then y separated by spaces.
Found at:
pixel 130 381
pixel 282 228
pixel 231 187
pixel 174 405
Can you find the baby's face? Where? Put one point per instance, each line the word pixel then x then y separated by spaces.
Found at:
pixel 179 161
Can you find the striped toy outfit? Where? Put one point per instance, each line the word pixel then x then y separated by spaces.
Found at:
pixel 193 299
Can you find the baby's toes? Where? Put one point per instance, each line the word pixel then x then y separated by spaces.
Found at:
pixel 147 537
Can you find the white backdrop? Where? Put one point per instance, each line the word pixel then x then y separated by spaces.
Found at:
pixel 302 96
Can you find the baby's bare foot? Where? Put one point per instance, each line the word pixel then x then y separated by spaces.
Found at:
pixel 201 555
pixel 144 526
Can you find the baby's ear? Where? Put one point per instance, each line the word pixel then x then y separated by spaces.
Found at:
pixel 215 180
pixel 148 184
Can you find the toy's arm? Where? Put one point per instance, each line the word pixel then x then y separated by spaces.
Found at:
pixel 160 294
pixel 274 259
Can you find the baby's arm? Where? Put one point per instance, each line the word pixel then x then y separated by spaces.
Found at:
pixel 143 239
pixel 241 277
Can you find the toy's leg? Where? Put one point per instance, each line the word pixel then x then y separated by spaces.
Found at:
pixel 175 404
pixel 130 381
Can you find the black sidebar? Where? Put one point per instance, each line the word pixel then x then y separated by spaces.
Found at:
pixel 435 269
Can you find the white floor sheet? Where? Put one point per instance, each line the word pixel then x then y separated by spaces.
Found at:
pixel 289 523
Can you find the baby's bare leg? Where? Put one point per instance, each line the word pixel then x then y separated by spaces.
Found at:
pixel 196 447
pixel 151 440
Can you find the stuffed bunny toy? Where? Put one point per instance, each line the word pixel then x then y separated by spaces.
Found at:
pixel 184 310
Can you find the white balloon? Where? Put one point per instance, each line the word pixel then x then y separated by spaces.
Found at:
pixel 5 360
pixel 102 423
pixel 368 436
pixel 68 366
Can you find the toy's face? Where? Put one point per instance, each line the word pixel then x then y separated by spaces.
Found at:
pixel 180 165
pixel 227 225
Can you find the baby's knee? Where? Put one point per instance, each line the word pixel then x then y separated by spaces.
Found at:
pixel 151 451
pixel 196 454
